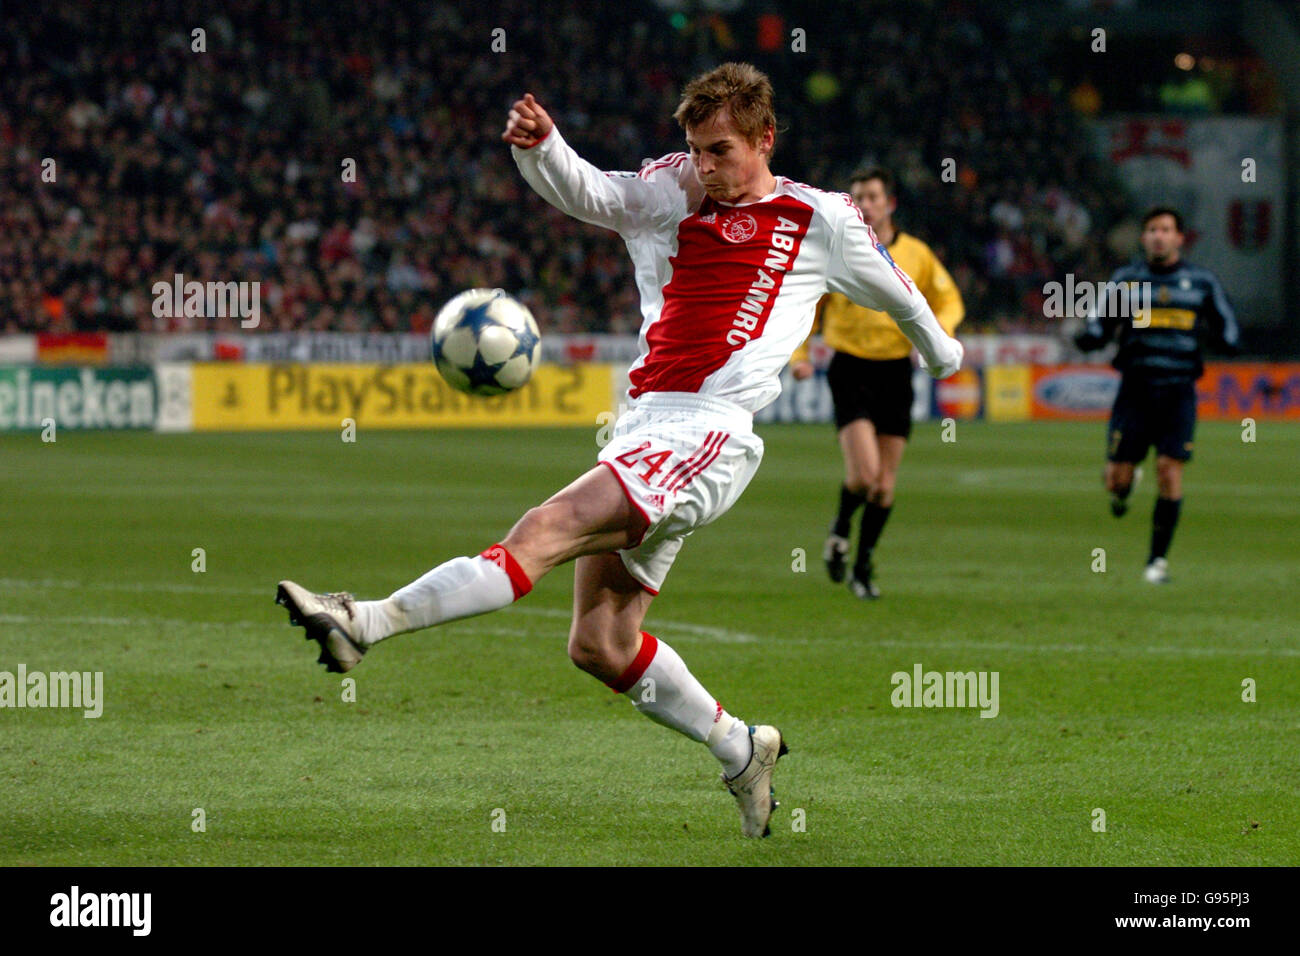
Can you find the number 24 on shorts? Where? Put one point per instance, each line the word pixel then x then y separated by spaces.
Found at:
pixel 655 460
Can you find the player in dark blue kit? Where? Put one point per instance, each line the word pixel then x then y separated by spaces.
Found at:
pixel 1159 359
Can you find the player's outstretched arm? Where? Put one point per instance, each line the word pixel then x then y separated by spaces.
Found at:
pixel 622 201
pixel 941 354
pixel 861 269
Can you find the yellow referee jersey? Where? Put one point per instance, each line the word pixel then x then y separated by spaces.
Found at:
pixel 869 334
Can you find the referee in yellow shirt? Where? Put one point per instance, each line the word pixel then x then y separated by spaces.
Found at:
pixel 871 380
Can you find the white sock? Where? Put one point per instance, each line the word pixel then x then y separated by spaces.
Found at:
pixel 730 742
pixel 659 686
pixel 461 587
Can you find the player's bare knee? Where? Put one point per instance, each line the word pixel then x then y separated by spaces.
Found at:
pixel 585 655
pixel 882 494
pixel 1118 479
pixel 590 650
pixel 1169 478
pixel 867 482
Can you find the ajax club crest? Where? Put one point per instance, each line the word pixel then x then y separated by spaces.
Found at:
pixel 739 227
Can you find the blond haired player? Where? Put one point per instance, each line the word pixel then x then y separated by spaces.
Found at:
pixel 870 378
pixel 730 261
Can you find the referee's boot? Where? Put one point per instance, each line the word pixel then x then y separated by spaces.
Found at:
pixel 1156 571
pixel 834 553
pixel 861 584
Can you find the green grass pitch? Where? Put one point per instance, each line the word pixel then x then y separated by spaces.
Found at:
pixel 1113 694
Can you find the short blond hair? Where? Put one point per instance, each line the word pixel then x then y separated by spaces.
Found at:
pixel 742 89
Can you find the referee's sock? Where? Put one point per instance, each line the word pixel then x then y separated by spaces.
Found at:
pixel 849 503
pixel 874 517
pixel 1163 523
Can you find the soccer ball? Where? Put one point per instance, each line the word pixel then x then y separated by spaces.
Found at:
pixel 485 343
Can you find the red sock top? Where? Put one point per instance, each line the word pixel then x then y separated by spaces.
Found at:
pixel 628 679
pixel 504 560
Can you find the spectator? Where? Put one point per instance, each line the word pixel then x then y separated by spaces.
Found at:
pixel 228 164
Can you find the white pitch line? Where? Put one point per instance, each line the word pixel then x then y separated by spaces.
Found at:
pixel 1083 648
pixel 717 634
pixel 144 622
pixel 710 633
pixel 139 622
pixel 37 584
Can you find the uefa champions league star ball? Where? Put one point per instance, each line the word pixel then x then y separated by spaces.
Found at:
pixel 485 342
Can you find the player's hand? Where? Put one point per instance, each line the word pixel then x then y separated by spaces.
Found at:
pixel 951 364
pixel 528 124
pixel 802 370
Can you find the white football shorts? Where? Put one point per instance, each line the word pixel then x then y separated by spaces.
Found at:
pixel 683 460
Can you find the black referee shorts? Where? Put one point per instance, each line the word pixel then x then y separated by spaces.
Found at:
pixel 1144 414
pixel 879 390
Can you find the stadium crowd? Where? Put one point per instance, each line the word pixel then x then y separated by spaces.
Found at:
pixel 229 163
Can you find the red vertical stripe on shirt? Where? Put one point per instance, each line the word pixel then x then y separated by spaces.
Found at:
pixel 727 274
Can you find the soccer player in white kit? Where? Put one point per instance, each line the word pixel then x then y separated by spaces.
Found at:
pixel 730 262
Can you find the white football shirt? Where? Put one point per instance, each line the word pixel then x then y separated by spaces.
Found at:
pixel 728 292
